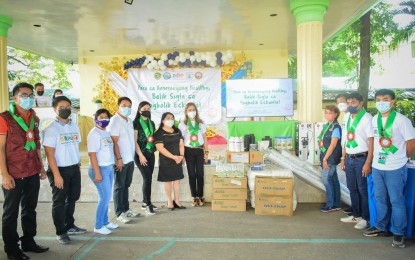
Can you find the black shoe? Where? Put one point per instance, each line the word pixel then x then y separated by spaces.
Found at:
pixel 374 232
pixel 349 210
pixel 171 209
pixel 149 210
pixel 76 230
pixel 154 207
pixel 63 239
pixel 177 206
pixel 18 255
pixel 398 241
pixel 34 248
pixel 143 206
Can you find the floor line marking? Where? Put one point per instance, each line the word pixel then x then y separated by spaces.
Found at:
pixel 89 248
pixel 160 251
pixel 222 240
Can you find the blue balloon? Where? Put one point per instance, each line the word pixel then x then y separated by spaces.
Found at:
pixel 219 55
pixel 176 53
pixel 182 64
pixel 166 63
pixel 196 63
pixel 188 62
pixel 219 62
pixel 191 52
pixel 169 56
pixel 203 63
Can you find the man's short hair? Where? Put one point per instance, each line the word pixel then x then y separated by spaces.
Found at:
pixel 123 98
pixel 39 85
pixel 341 95
pixel 17 88
pixel 384 92
pixel 355 95
pixel 59 99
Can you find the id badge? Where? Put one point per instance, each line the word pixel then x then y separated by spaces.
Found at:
pixel 382 157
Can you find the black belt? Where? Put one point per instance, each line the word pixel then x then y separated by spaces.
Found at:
pixel 191 147
pixel 357 155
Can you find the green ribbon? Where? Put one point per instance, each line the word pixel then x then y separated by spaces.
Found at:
pixel 29 144
pixel 352 128
pixel 148 131
pixel 321 136
pixel 194 130
pixel 387 132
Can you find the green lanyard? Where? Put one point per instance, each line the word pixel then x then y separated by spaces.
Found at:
pixel 321 137
pixel 351 141
pixel 386 134
pixel 148 131
pixel 194 133
pixel 30 134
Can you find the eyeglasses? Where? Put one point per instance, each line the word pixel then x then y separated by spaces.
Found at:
pixel 24 95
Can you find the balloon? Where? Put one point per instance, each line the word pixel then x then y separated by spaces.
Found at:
pixel 149 66
pixel 182 59
pixel 187 55
pixel 188 62
pixel 212 63
pixel 171 62
pixel 154 63
pixel 192 58
pixel 218 54
pixel 220 62
pixel 150 58
pixel 176 53
pixel 160 62
pixel 166 62
pixel 163 57
pixel 191 52
pixel 163 67
pixel 177 58
pixel 169 56
pixel 181 64
pixel 196 63
pixel 203 63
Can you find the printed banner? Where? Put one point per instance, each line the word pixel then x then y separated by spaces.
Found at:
pixel 172 89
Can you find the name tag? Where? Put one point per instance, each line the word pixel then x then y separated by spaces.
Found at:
pixel 382 157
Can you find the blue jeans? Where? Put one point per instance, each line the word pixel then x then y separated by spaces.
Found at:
pixel 390 201
pixel 357 185
pixel 104 189
pixel 332 184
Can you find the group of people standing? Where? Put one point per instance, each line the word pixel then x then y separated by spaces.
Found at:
pixel 114 144
pixel 373 152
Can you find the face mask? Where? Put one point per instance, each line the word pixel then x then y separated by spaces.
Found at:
pixel 26 103
pixel 352 109
pixel 169 123
pixel 40 92
pixel 191 114
pixel 64 113
pixel 103 123
pixel 329 117
pixel 125 111
pixel 383 106
pixel 342 107
pixel 146 113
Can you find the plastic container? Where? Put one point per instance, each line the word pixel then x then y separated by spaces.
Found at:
pixel 253 147
pixel 289 142
pixel 283 142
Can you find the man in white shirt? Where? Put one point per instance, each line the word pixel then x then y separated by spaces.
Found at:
pixel 40 99
pixel 394 142
pixel 357 158
pixel 61 141
pixel 122 133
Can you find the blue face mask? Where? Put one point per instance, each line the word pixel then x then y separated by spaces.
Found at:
pixel 352 109
pixel 383 106
pixel 125 111
pixel 103 123
pixel 26 103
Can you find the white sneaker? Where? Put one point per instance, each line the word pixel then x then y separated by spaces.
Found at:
pixel 132 214
pixel 123 218
pixel 102 231
pixel 111 225
pixel 350 219
pixel 362 224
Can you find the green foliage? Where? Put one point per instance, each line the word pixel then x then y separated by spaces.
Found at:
pixel 405 106
pixel 32 68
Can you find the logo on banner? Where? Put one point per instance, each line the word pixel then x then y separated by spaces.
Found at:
pixel 166 76
pixel 157 75
pixel 198 75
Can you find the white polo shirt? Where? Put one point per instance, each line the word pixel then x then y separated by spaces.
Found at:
pixel 344 128
pixel 65 138
pixel 364 130
pixel 100 142
pixel 402 131
pixel 186 133
pixel 43 101
pixel 125 132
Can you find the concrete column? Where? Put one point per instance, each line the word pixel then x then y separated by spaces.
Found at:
pixel 5 23
pixel 309 15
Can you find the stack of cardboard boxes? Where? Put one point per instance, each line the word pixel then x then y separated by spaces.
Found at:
pixel 229 193
pixel 245 157
pixel 274 196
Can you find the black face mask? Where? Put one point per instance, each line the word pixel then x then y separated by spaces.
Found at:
pixel 146 113
pixel 40 92
pixel 64 113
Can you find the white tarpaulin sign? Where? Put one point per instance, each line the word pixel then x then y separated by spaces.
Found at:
pixel 171 90
pixel 259 97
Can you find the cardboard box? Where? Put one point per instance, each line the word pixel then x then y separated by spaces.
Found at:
pixel 229 205
pixel 256 157
pixel 229 182
pixel 272 186
pixel 230 194
pixel 275 206
pixel 237 157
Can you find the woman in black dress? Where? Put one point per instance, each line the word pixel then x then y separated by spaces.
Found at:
pixel 169 142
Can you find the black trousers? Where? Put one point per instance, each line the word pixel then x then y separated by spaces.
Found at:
pixel 147 173
pixel 63 200
pixel 122 183
pixel 25 193
pixel 195 168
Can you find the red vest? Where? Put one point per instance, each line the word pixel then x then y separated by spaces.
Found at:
pixel 20 162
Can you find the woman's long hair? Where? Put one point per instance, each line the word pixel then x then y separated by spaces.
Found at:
pixel 140 106
pixel 197 118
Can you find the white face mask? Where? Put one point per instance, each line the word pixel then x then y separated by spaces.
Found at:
pixel 169 123
pixel 191 114
pixel 342 107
